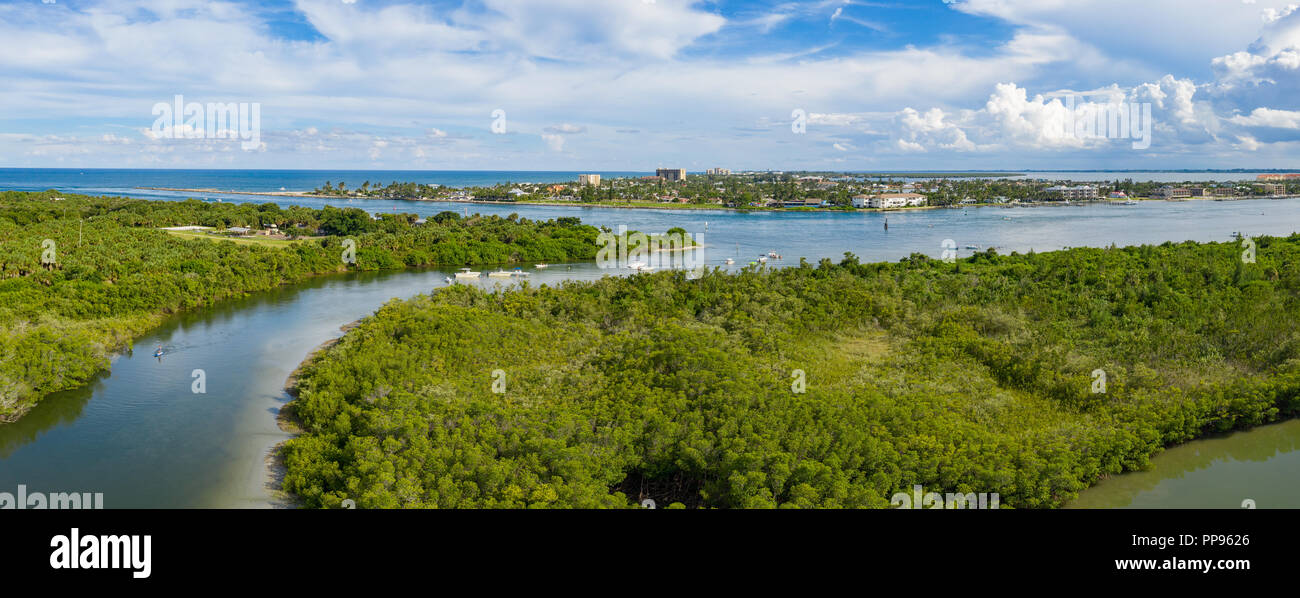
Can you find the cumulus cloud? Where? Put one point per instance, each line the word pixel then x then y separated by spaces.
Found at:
pixel 554 142
pixel 1165 112
pixel 1268 117
pixel 424 78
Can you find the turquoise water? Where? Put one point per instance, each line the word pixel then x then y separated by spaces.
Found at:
pixel 127 181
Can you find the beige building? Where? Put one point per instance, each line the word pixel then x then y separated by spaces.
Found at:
pixel 1171 193
pixel 1079 192
pixel 671 174
pixel 592 180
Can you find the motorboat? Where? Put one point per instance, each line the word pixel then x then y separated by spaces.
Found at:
pixel 467 273
pixel 499 274
pixel 542 266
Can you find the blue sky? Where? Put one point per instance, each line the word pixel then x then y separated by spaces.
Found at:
pixel 638 84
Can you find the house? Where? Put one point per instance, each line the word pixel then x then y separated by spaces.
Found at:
pixel 1171 193
pixel 1068 193
pixel 886 201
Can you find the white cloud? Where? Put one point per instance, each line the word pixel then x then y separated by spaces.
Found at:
pixel 1268 117
pixel 566 129
pixel 425 79
pixel 554 142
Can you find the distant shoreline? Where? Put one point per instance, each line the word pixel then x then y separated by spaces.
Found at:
pixel 680 206
pixel 233 192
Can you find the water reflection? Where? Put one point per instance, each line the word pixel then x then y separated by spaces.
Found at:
pixel 1262 465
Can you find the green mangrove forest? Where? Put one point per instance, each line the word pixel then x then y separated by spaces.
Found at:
pixel 820 386
pixel 82 276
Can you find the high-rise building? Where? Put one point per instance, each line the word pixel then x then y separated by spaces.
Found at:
pixel 589 179
pixel 671 174
pixel 718 171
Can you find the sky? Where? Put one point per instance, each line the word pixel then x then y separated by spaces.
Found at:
pixel 634 85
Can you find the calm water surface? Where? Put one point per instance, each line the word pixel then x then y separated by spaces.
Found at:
pixel 1261 465
pixel 141 437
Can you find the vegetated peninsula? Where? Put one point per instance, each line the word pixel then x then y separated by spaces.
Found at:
pixel 80 277
pixel 719 189
pixel 828 385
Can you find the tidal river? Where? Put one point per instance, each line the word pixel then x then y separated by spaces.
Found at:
pixel 143 438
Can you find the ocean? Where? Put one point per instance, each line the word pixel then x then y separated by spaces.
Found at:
pixel 131 182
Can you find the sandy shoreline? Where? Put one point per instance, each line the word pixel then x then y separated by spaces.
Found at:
pixel 287 420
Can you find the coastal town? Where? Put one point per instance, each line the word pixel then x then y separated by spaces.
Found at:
pixel 721 188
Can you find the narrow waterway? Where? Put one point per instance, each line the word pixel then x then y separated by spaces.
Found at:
pixel 1261 466
pixel 143 438
pixel 141 435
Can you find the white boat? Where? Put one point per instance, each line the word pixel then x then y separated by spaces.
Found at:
pixel 762 259
pixel 1130 203
pixel 467 273
pixel 637 265
pixel 499 274
pixel 730 261
pixel 449 279
pixel 542 266
pixel 518 272
pixel 972 247
pixel 772 254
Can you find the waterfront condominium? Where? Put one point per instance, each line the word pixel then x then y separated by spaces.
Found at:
pixel 671 174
